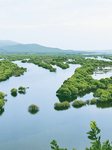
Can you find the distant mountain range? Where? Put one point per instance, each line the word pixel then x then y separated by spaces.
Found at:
pixel 7 43
pixel 11 47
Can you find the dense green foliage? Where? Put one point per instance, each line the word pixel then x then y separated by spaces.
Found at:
pixel 62 106
pixel 44 61
pixel 43 65
pixel 92 135
pixel 24 61
pixel 82 82
pixel 2 102
pixel 62 65
pixel 93 101
pixel 104 94
pixel 2 95
pixel 8 69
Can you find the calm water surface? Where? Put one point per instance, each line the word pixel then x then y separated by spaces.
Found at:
pixel 20 130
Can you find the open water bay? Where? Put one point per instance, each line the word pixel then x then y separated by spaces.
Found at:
pixel 20 130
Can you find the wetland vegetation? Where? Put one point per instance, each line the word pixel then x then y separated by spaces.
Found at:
pixel 62 106
pixel 14 92
pixel 79 84
pixel 70 93
pixel 33 109
pixel 8 69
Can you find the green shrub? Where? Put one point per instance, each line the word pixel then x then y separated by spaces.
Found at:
pixel 93 101
pixel 13 90
pixel 62 106
pixel 1 111
pixel 21 88
pixel 64 91
pixel 78 103
pixel 2 103
pixel 2 95
pixel 33 109
pixel 24 61
pixel 53 69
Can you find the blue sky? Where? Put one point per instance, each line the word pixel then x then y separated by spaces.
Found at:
pixel 66 24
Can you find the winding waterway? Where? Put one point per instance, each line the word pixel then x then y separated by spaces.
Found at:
pixel 20 130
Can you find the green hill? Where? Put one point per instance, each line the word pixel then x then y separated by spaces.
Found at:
pixel 7 43
pixel 11 47
pixel 35 49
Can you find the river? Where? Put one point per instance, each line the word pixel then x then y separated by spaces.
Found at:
pixel 20 130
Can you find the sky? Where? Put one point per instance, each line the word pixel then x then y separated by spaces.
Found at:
pixel 65 24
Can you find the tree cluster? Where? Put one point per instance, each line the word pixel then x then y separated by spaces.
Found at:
pixel 2 102
pixel 62 106
pixel 20 90
pixel 81 82
pixel 8 69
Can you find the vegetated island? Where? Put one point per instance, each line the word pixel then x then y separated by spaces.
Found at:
pixel 33 109
pixel 79 84
pixel 45 61
pixel 82 83
pixel 20 90
pixel 8 69
pixel 14 92
pixel 2 102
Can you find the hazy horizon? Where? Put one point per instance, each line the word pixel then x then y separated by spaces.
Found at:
pixel 65 24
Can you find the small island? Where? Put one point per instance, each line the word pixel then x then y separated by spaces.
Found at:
pixel 22 90
pixel 2 102
pixel 14 92
pixel 33 109
pixel 62 106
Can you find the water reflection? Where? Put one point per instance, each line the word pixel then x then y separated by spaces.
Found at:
pixel 104 104
pixel 68 99
pixel 33 109
pixel 5 100
pixel 33 112
pixel 14 94
pixel 1 111
pixel 78 106
pixel 62 106
pixel 98 104
pixel 60 109
pixel 74 97
pixel 22 92
pixel 83 93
